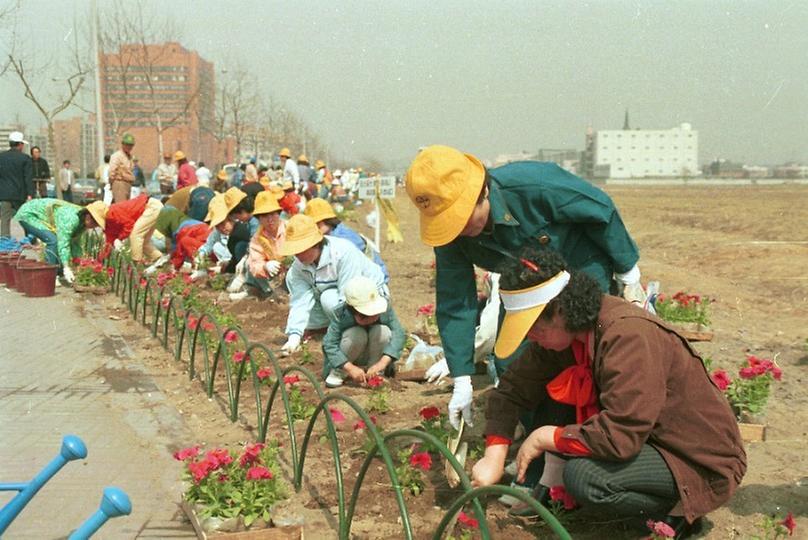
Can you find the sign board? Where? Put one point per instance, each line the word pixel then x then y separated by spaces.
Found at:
pixel 387 187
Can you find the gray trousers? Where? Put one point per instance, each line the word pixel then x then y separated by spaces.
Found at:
pixel 642 486
pixel 7 212
pixel 364 346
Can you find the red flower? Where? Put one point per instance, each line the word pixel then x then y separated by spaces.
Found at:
pixel 219 457
pixel 186 278
pixel 165 302
pixel 468 521
pixel 421 460
pixel 264 373
pixel 186 453
pixel 259 473
pixel 359 425
pixel 777 373
pixel 789 523
pixel 251 455
pixel 207 326
pixel 336 414
pixel 427 310
pixel 239 357
pixel 143 283
pixel 747 373
pixel 201 469
pixel 193 322
pixel 660 528
pixel 75 261
pixel 110 271
pixel 559 493
pixel 721 379
pixel 428 413
pixel 186 291
pixel 231 336
pixel 291 379
pixel 376 381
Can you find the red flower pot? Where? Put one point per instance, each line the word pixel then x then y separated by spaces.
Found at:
pixel 39 279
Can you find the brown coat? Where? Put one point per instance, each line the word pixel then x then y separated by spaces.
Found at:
pixel 652 387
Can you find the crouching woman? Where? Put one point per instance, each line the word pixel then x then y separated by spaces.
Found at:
pixel 653 436
pixel 263 257
pixel 366 333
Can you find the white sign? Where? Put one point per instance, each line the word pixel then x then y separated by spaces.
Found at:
pixel 387 187
pixel 367 188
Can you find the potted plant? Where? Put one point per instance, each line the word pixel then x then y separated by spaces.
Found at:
pixel 231 492
pixel 91 276
pixel 689 312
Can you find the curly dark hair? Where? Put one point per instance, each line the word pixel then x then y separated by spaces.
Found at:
pixel 580 300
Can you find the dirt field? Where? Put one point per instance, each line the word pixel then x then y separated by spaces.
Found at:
pixel 744 247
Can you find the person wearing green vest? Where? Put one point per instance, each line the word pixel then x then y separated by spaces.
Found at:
pixel 473 216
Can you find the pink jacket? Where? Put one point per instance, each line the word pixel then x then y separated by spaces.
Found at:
pixel 264 248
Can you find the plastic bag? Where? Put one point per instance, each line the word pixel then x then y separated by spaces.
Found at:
pixel 423 355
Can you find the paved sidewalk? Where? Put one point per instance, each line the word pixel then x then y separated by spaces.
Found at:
pixel 61 372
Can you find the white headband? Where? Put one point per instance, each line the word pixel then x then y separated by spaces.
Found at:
pixel 538 295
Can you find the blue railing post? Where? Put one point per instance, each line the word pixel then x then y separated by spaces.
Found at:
pixel 114 503
pixel 72 448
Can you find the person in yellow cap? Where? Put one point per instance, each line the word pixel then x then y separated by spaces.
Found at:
pixel 473 216
pixel 135 220
pixel 290 171
pixel 191 200
pixel 324 179
pixel 647 433
pixel 330 225
pixel 366 332
pixel 263 261
pixel 317 278
pixel 222 182
pixel 229 231
pixel 308 187
pixel 186 174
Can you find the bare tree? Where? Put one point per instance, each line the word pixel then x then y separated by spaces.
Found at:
pixel 50 105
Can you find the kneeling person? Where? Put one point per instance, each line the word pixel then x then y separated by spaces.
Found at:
pixel 366 332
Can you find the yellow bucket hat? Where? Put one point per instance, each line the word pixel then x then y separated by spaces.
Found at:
pixel 522 309
pixel 285 153
pixel 301 234
pixel 232 197
pixel 222 175
pixel 217 210
pixel 178 155
pixel 277 191
pixel 98 210
pixel 444 184
pixel 302 158
pixel 318 210
pixel 319 164
pixel 266 203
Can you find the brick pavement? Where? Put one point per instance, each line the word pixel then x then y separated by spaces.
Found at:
pixel 65 369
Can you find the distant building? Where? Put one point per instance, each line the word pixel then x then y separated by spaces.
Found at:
pixel 791 170
pixel 567 158
pixel 724 168
pixel 5 131
pixel 642 153
pixel 502 159
pixel 138 83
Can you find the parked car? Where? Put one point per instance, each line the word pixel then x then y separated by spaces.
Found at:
pixel 85 190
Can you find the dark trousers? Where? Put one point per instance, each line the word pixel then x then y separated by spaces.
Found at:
pixel 67 195
pixel 237 244
pixel 549 413
pixel 642 486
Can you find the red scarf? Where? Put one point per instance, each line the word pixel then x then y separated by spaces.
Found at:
pixel 574 385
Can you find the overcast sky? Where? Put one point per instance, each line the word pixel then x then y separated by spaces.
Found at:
pixel 381 78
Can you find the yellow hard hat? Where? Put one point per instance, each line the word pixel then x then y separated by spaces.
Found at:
pixel 266 203
pixel 318 210
pixel 98 210
pixel 444 184
pixel 301 234
pixel 302 158
pixel 319 164
pixel 179 155
pixel 285 153
pixel 232 197
pixel 217 210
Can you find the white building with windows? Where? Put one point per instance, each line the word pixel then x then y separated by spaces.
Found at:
pixel 644 153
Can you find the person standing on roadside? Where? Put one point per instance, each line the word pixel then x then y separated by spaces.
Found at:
pixel 167 175
pixel 290 171
pixel 102 177
pixel 203 175
pixel 186 175
pixel 16 180
pixel 121 175
pixel 41 172
pixel 66 180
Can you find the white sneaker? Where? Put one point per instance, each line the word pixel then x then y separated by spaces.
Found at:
pixel 241 295
pixel 335 378
pixel 237 284
pixel 58 283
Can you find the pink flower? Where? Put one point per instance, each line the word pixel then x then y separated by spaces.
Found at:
pixel 789 523
pixel 110 271
pixel 468 521
pixel 219 457
pixel 660 528
pixel 721 379
pixel 201 469
pixel 207 326
pixel 559 493
pixel 777 373
pixel 376 381
pixel 291 379
pixel 251 455
pixel 336 415
pixel 231 336
pixel 359 425
pixel 186 453
pixel 259 473
pixel 143 283
pixel 165 302
pixel 186 278
pixel 427 310
pixel 193 322
pixel 747 373
pixel 239 357
pixel 428 413
pixel 421 460
pixel 264 373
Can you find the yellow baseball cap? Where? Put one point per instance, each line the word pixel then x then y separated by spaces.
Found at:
pixel 522 309
pixel 301 234
pixel 266 203
pixel 98 210
pixel 318 210
pixel 217 210
pixel 444 184
pixel 232 197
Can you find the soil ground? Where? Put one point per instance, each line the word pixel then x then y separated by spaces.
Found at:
pixel 744 247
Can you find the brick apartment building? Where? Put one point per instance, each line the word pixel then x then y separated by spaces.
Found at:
pixel 160 84
pixel 74 139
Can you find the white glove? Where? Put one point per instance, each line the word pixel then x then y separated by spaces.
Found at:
pixel 198 274
pixel 292 344
pixel 117 244
pixel 461 402
pixel 635 294
pixel 272 268
pixel 68 274
pixel 151 269
pixel 631 277
pixel 437 372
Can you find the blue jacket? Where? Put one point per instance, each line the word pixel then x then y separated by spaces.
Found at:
pixel 343 231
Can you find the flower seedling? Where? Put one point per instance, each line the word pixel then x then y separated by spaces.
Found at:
pixel 683 308
pixel 411 467
pixel 378 401
pixel 749 392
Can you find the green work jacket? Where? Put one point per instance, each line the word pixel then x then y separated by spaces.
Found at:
pixel 531 202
